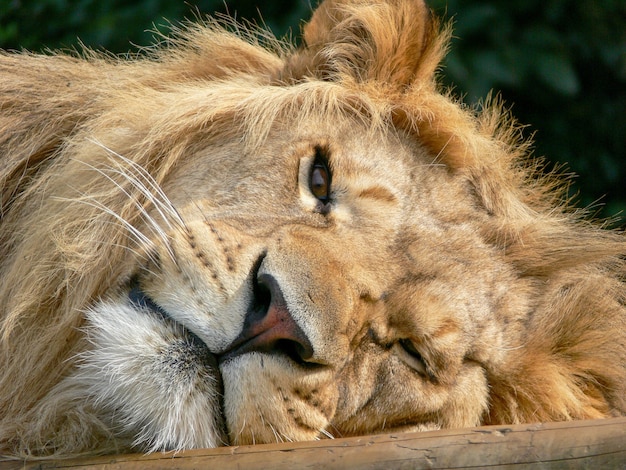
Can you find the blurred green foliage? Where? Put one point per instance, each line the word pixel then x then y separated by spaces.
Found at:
pixel 561 64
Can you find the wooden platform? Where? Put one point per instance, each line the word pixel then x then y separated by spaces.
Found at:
pixel 597 445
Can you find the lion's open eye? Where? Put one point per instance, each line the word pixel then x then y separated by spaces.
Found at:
pixel 320 178
pixel 411 356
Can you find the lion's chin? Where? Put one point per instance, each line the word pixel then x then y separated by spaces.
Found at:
pixel 271 398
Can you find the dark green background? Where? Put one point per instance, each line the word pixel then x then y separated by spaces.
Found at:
pixel 561 64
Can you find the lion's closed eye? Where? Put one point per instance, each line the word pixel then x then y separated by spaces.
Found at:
pixel 406 350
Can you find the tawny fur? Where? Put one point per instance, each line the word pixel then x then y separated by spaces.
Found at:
pixel 73 225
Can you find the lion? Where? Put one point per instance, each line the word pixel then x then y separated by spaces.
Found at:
pixel 234 240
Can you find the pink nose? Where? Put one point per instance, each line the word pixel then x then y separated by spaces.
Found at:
pixel 269 326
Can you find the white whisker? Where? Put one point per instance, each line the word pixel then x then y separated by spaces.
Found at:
pixel 438 156
pixel 277 436
pixel 152 189
pixel 139 236
pixel 157 230
pixel 139 179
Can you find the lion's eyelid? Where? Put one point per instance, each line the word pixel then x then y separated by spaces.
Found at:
pixel 411 356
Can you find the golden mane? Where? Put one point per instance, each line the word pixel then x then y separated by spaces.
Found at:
pixel 61 115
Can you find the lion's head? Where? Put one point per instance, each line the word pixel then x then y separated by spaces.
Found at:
pixel 227 243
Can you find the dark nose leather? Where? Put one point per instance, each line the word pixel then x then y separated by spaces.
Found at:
pixel 269 326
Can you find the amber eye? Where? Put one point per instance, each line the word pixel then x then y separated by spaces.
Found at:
pixel 319 180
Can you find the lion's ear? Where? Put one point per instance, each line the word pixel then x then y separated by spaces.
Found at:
pixel 394 42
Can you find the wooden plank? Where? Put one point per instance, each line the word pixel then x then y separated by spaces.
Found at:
pixel 576 444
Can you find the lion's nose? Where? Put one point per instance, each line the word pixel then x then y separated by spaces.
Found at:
pixel 269 325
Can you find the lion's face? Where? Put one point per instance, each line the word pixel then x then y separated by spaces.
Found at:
pixel 270 303
pixel 223 243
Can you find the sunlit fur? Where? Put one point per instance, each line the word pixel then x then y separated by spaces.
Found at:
pixel 181 166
